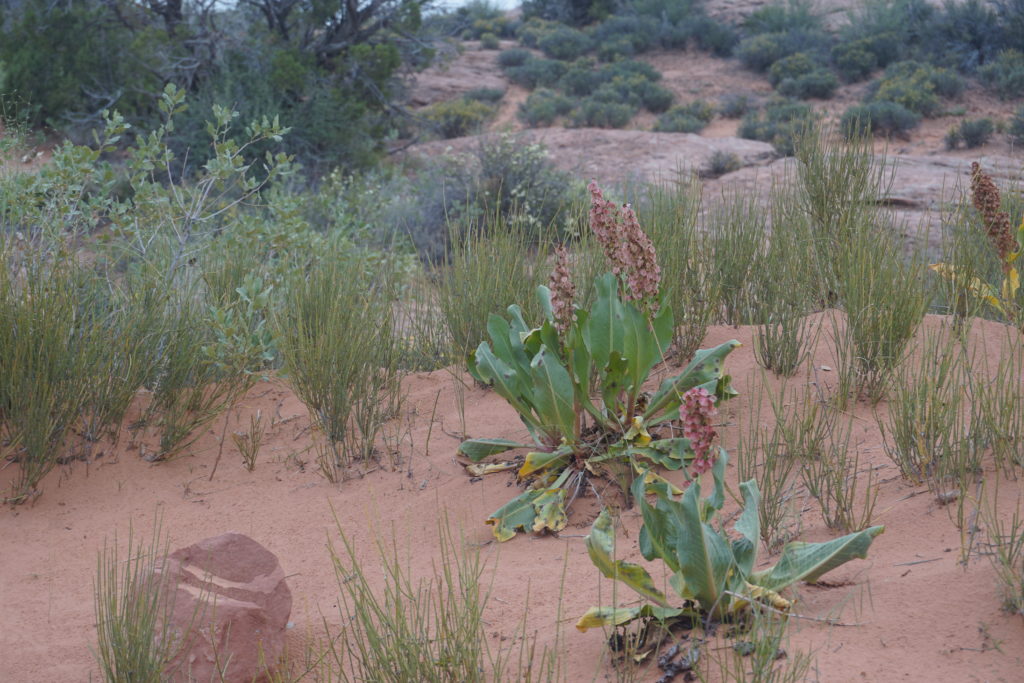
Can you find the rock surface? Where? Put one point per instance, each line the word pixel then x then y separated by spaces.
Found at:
pixel 231 607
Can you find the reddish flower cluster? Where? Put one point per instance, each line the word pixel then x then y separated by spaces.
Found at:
pixel 562 291
pixel 997 223
pixel 627 247
pixel 698 410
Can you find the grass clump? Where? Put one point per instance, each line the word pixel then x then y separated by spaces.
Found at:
pixel 347 376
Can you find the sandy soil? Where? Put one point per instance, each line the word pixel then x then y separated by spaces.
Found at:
pixel 910 612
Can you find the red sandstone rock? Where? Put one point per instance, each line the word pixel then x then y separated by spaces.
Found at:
pixel 231 609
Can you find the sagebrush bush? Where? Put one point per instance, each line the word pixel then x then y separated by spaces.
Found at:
pixel 716 37
pixel 793 66
pixel 971 132
pixel 537 72
pixel 759 52
pixel 593 112
pixel 459 117
pixel 719 163
pixel 780 123
pixel 542 107
pixel 735 106
pixel 629 34
pixel 512 57
pixel 854 60
pixel 916 87
pixel 1005 74
pixel 686 118
pixel 488 95
pixel 581 79
pixel 565 43
pixel 489 41
pixel 879 118
pixel 820 83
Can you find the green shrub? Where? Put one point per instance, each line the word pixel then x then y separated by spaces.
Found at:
pixel 854 60
pixel 759 52
pixel 720 163
pixel 687 118
pixel 1016 127
pixel 459 117
pixel 515 56
pixel 593 112
pixel 793 66
pixel 1005 75
pixel 734 106
pixel 488 95
pixel 542 107
pixel 820 83
pixel 878 118
pixel 629 68
pixel 533 30
pixel 635 34
pixel 947 83
pixel 565 43
pixel 656 98
pixel 910 85
pixel 489 41
pixel 718 38
pixel 972 132
pixel 780 123
pixel 581 79
pixel 536 72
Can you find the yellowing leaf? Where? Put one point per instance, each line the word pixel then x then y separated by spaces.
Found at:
pixel 479 470
pixel 1010 285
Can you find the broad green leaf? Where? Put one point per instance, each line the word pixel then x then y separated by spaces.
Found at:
pixel 613 383
pixel 657 535
pixel 705 558
pixel 501 342
pixel 518 513
pixel 502 377
pixel 809 561
pixel 639 346
pixel 478 449
pixel 537 461
pixel 744 549
pixel 598 617
pixel 553 394
pixel 601 547
pixel 705 369
pixel 544 297
pixel 603 330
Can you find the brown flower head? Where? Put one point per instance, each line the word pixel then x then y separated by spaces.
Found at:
pixel 627 248
pixel 562 291
pixel 986 199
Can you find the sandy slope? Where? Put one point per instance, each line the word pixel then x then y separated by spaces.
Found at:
pixel 912 611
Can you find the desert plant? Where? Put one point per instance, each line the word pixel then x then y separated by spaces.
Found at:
pixel 1007 246
pixel 854 60
pixel 832 478
pixel 565 43
pixel 426 630
pixel 513 57
pixel 686 118
pixel 347 378
pixel 878 118
pixel 972 132
pixel 1016 127
pixel 735 106
pixel 712 574
pixel 249 442
pixel 819 83
pixel 1005 539
pixel 1005 74
pixel 547 374
pixel 487 95
pixel 780 122
pixel 736 227
pixel 133 603
pixel 537 72
pixel 458 117
pixel 597 113
pixel 719 163
pixel 542 107
pixel 489 41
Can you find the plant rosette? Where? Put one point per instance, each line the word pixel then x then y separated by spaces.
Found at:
pixel 580 394
pixel 711 574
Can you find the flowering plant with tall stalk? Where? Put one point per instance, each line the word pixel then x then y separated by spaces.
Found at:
pixel 578 382
pixel 1008 247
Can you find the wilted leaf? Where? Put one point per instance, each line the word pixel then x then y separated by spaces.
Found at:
pixel 597 617
pixel 601 547
pixel 809 561
pixel 478 449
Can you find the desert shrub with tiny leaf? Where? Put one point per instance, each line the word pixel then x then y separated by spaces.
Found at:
pixel 592 112
pixel 577 381
pixel 1005 74
pixel 915 86
pixel 971 132
pixel 565 43
pixel 716 37
pixel 513 57
pixel 1016 127
pixel 686 118
pixel 819 83
pixel 878 118
pixel 719 163
pixel 759 52
pixel 458 117
pixel 855 60
pixel 537 72
pixel 779 122
pixel 543 106
pixel 735 106
pixel 489 41
pixel 486 95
